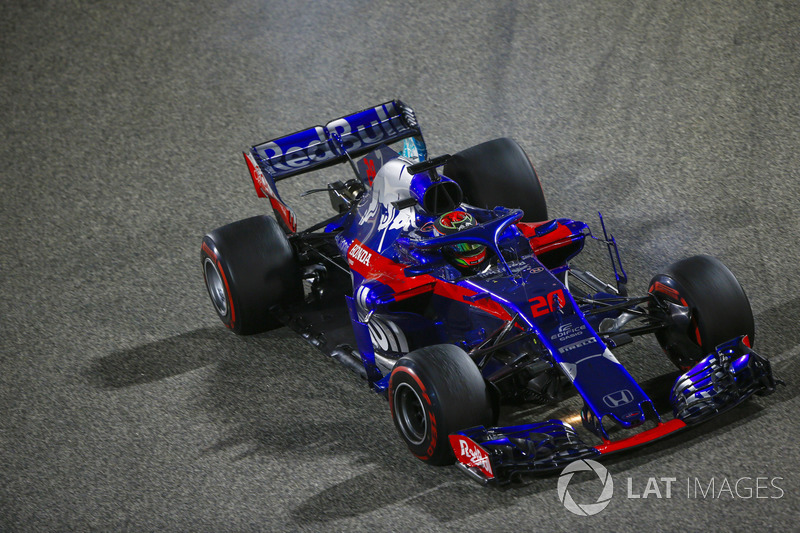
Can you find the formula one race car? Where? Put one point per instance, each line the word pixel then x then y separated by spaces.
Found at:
pixel 445 284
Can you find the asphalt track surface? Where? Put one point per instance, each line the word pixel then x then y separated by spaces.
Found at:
pixel 126 405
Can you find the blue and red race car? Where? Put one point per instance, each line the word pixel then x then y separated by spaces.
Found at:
pixel 446 285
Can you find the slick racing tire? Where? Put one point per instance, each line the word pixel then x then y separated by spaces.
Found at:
pixel 433 392
pixel 249 267
pixel 499 173
pixel 718 308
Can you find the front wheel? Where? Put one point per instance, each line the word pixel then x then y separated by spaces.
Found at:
pixel 718 308
pixel 433 392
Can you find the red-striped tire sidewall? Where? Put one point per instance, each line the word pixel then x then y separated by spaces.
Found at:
pixel 208 251
pixel 452 393
pixel 405 372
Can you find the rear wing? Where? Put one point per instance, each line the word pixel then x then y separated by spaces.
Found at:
pixel 322 146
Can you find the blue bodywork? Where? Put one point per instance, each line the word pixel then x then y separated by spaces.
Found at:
pixel 405 295
pixel 458 312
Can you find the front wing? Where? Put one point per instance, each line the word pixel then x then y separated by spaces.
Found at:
pixel 719 382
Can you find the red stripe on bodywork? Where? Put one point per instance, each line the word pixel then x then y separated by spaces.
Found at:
pixel 661 430
pixel 256 174
pixel 286 214
pixel 557 238
pixel 373 266
pixel 664 289
pixel 264 190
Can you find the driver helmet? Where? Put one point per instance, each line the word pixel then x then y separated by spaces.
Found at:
pixel 465 255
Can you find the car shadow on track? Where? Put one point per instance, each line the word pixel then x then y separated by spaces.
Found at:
pixel 776 330
pixel 157 360
pixel 441 493
pixel 280 400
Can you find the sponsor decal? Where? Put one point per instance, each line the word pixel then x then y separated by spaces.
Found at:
pixel 286 214
pixel 576 345
pixel 368 216
pixel 392 219
pixel 395 220
pixel 618 398
pixel 302 149
pixel 310 147
pixel 568 331
pixel 371 173
pixel 367 130
pixel 360 254
pixel 386 336
pixel 471 454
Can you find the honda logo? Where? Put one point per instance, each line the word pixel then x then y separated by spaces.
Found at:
pixel 616 399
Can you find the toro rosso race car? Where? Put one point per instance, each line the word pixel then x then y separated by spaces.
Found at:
pixel 444 283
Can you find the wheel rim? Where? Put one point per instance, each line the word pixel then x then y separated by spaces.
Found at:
pixel 216 289
pixel 410 414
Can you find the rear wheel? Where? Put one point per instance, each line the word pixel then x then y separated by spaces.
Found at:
pixel 499 173
pixel 718 308
pixel 249 266
pixel 433 392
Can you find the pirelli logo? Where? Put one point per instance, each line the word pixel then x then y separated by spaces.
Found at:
pixel 576 345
